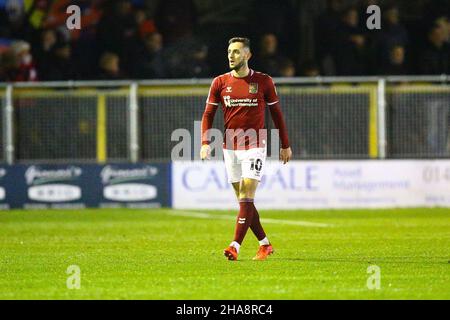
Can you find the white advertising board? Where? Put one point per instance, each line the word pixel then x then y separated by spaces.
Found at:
pixel 319 184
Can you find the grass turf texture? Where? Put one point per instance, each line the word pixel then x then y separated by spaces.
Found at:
pixel 149 254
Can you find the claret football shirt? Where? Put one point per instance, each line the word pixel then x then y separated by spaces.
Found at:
pixel 243 103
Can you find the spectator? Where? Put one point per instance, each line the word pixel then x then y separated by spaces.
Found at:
pixel 144 24
pixel 187 58
pixel 62 66
pixel 326 26
pixel 268 59
pixel 392 34
pixel 287 68
pixel 199 67
pixel 43 51
pixel 350 50
pixel 148 61
pixel 25 69
pixel 435 56
pixel 109 67
pixel 310 69
pixel 444 23
pixel 176 19
pixel 396 64
pixel 117 27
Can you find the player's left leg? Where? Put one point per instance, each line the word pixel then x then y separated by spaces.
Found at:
pixel 253 166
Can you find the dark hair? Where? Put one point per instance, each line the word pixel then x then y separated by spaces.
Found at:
pixel 245 41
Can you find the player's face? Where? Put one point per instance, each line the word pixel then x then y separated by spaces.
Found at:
pixel 238 55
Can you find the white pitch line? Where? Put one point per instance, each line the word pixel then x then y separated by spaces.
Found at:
pixel 202 215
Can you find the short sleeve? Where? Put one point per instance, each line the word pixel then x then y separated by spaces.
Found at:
pixel 214 93
pixel 270 94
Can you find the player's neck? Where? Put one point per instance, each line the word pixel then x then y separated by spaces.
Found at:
pixel 241 73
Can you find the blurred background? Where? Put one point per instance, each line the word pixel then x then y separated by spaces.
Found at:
pixel 151 39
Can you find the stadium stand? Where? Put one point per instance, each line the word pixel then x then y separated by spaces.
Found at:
pixel 176 39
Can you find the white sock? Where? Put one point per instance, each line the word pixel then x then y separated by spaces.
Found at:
pixel 236 245
pixel 264 242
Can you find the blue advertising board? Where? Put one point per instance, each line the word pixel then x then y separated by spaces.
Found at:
pixel 81 186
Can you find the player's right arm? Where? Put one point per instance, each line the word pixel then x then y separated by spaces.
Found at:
pixel 212 103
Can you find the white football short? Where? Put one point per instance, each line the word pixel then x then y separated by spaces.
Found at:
pixel 244 163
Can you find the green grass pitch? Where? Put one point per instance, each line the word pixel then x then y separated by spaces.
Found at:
pixel 152 254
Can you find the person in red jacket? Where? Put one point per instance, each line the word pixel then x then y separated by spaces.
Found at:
pixel 244 95
pixel 25 69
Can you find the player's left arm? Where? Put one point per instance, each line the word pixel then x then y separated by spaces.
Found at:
pixel 273 103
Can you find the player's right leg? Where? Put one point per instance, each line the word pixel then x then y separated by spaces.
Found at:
pixel 247 188
pixel 233 168
pixel 255 224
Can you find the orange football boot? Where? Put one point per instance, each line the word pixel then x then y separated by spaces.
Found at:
pixel 263 252
pixel 230 253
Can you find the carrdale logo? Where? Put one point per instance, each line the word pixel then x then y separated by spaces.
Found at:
pixel 35 175
pixel 110 175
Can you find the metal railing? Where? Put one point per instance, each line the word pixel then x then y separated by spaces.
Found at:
pixel 327 117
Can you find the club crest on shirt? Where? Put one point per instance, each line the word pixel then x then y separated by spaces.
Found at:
pixel 253 87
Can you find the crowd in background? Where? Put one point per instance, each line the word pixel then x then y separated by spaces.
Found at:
pixel 141 39
pixel 345 46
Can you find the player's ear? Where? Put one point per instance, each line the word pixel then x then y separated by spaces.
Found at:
pixel 249 55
